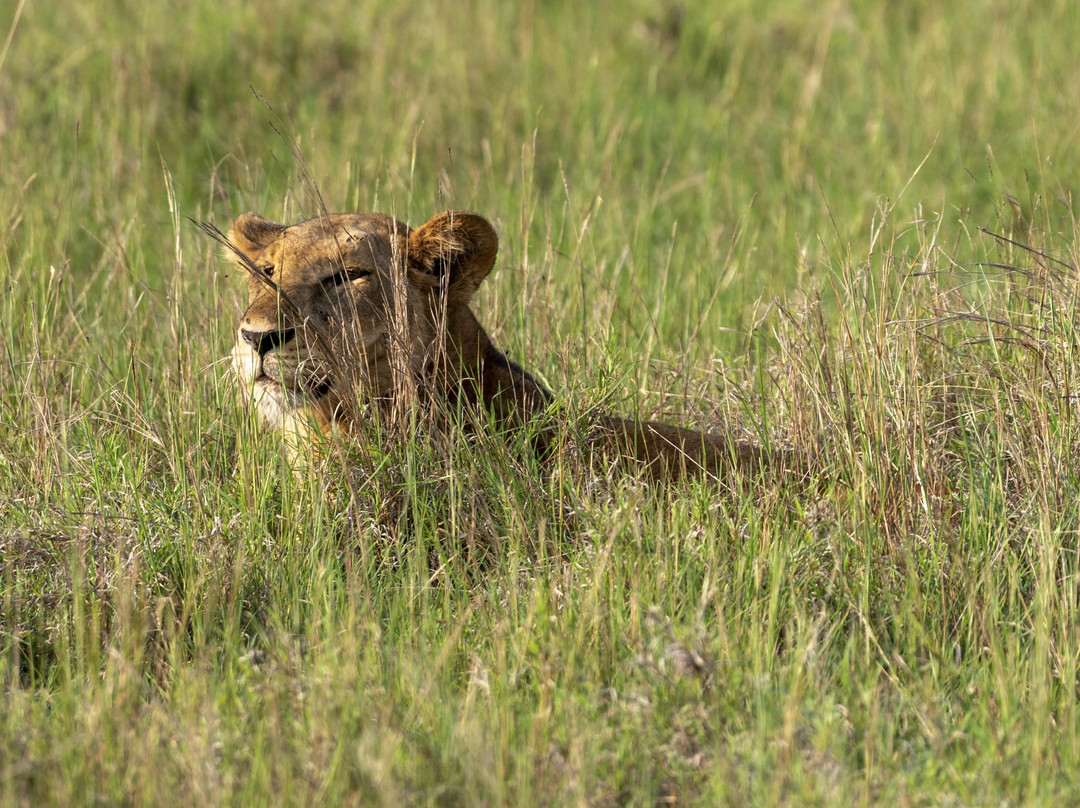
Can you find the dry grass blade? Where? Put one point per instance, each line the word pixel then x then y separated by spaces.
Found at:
pixel 212 230
pixel 303 171
pixel 1028 249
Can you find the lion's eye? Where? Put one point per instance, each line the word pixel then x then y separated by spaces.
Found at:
pixel 269 270
pixel 347 275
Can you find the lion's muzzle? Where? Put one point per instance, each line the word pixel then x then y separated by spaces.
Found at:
pixel 262 342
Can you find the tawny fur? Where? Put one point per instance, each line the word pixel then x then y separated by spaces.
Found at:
pixel 347 308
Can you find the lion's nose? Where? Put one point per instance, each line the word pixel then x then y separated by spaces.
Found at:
pixel 262 342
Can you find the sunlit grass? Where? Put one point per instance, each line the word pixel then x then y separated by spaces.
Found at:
pixel 765 219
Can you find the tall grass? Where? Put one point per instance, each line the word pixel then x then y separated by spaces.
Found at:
pixel 846 229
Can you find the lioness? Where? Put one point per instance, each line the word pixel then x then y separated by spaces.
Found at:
pixel 348 308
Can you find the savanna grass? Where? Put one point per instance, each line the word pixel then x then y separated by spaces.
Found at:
pixel 767 219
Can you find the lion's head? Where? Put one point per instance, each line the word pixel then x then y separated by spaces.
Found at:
pixel 351 309
pixel 353 304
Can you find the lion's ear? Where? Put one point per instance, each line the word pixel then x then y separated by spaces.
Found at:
pixel 455 248
pixel 251 234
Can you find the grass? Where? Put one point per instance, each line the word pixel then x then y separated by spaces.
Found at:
pixel 769 218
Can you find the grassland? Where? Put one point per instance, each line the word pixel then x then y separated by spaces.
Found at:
pixel 770 218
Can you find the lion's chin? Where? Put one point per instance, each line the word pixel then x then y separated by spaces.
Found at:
pixel 270 400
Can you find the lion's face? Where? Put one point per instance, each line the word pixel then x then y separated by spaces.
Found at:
pixel 325 293
pixel 349 304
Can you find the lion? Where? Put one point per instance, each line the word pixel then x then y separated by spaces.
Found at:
pixel 354 314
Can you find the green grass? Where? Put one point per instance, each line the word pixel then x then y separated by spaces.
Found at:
pixel 765 218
